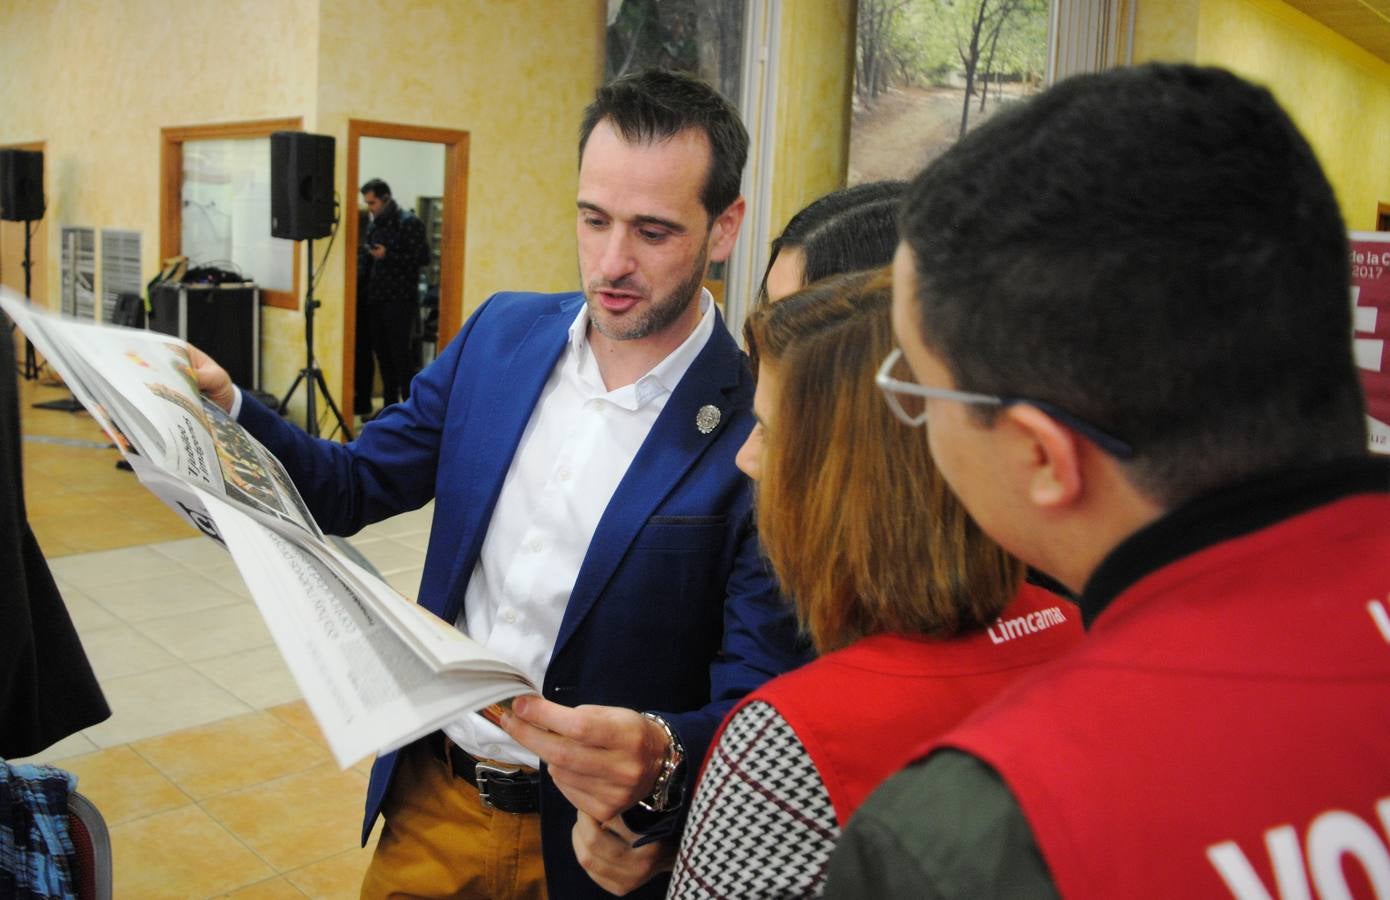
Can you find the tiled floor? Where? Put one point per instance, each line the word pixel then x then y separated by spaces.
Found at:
pixel 211 773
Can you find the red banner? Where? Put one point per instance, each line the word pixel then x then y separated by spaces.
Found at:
pixel 1370 300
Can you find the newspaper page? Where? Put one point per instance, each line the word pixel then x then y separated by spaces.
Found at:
pixel 376 669
pixel 368 688
pixel 140 386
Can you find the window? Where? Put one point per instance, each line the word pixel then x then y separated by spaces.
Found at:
pixel 215 204
pixel 226 211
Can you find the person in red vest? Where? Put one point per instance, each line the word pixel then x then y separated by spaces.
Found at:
pixel 917 619
pixel 1124 306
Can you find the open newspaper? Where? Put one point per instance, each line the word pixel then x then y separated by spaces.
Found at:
pixel 377 670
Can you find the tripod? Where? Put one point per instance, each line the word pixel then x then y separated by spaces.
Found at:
pixel 31 363
pixel 311 375
pixel 68 404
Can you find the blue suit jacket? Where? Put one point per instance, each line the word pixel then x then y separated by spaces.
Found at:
pixel 674 610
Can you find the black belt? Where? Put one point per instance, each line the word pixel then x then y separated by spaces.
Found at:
pixel 504 787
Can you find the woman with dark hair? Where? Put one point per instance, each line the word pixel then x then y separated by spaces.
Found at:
pixel 816 242
pixel 919 617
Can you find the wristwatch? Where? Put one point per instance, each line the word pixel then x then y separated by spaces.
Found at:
pixel 660 799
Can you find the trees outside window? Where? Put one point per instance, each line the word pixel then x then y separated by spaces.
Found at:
pixel 928 70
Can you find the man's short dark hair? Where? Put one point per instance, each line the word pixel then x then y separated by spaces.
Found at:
pixel 1157 251
pixel 655 105
pixel 377 188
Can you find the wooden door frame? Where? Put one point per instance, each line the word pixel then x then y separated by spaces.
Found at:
pixel 171 141
pixel 451 241
pixel 40 239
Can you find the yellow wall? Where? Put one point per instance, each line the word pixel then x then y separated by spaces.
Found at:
pixel 1166 30
pixel 1337 93
pixel 815 79
pixel 516 76
pixel 97 80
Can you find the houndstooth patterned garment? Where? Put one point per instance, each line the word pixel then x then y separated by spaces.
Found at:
pixel 761 824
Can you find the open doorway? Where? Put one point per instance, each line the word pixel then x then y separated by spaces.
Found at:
pixel 426 169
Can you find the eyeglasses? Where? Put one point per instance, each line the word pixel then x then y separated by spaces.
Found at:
pixel 900 396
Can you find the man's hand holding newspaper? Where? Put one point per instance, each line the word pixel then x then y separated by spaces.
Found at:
pixel 377 670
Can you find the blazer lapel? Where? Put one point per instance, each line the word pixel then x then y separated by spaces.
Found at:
pixel 498 417
pixel 674 444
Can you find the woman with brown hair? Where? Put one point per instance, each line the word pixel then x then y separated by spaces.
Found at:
pixel 918 617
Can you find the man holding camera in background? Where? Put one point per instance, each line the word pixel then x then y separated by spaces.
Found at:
pixel 388 293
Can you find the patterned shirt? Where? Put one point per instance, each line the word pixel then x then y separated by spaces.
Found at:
pixel 761 824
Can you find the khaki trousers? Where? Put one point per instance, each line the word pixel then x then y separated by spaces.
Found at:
pixel 440 841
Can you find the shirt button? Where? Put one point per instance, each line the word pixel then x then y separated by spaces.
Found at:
pixel 492 750
pixel 509 617
pixel 563 473
pixel 534 545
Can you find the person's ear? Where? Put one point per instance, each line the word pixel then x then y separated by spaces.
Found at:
pixel 725 230
pixel 1052 456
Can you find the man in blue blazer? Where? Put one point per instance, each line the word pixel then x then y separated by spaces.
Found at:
pixel 590 524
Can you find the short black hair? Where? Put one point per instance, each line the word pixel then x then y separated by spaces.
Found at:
pixel 861 237
pixel 849 230
pixel 820 227
pixel 378 187
pixel 657 104
pixel 1157 251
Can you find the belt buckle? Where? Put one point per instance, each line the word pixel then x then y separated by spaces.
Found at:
pixel 484 772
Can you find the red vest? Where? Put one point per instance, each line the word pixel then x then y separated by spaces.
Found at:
pixel 862 711
pixel 1225 728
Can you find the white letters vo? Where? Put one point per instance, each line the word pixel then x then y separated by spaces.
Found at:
pixel 1332 835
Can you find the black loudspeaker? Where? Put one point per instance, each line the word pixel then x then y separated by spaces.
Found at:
pixel 21 185
pixel 301 185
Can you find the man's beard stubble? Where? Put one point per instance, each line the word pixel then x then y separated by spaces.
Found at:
pixel 659 314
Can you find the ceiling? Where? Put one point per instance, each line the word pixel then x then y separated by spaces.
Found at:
pixel 1365 23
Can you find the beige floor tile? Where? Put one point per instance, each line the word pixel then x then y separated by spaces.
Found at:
pixel 336 878
pixel 223 573
pixel 180 854
pixel 93 571
pixel 274 889
pixel 231 754
pixel 155 703
pixel 120 651
pixel 209 633
pixel 172 592
pixel 230 580
pixel 406 582
pixel 258 678
pixel 85 612
pixel 123 786
pixel 391 555
pixel 414 525
pixel 195 553
pixel 72 745
pixel 296 820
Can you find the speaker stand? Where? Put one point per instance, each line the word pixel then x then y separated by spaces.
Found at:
pixel 311 376
pixel 68 404
pixel 31 363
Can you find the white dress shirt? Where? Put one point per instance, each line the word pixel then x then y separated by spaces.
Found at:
pixel 576 449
